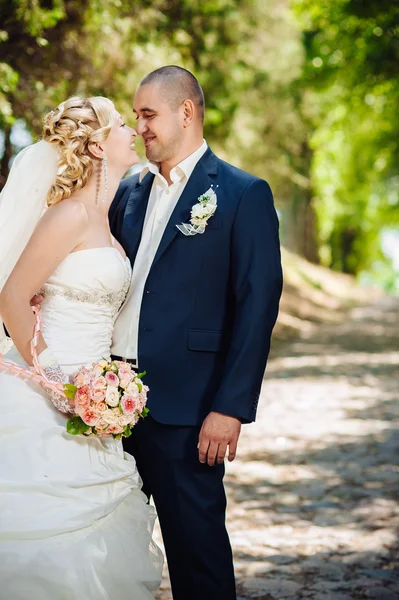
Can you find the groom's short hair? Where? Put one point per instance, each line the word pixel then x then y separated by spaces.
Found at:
pixel 181 85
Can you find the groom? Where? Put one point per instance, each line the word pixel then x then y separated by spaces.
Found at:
pixel 198 319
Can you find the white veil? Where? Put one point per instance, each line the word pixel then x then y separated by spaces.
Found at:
pixel 22 203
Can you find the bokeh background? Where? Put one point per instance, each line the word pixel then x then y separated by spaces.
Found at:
pixel 303 93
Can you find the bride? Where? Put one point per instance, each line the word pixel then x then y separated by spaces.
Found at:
pixel 74 523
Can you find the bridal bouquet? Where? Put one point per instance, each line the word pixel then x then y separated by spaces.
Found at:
pixel 109 399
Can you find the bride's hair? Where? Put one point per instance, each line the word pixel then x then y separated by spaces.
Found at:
pixel 72 126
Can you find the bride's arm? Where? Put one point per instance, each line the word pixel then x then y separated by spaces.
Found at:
pixel 61 229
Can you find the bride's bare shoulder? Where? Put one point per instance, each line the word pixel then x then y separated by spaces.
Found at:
pixel 69 212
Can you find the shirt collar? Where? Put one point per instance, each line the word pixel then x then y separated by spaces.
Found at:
pixel 183 169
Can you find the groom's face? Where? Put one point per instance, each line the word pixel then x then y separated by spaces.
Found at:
pixel 159 122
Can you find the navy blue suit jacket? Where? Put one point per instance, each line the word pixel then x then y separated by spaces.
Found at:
pixel 210 300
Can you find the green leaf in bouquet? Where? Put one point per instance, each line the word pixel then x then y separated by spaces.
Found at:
pixel 139 385
pixel 70 390
pixel 141 375
pixel 144 412
pixel 128 432
pixel 76 426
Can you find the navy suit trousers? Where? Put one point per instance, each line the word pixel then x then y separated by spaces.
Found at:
pixel 191 503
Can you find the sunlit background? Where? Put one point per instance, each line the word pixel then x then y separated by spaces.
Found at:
pixel 302 93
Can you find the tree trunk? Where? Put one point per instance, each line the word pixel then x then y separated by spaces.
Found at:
pixel 302 222
pixel 310 249
pixel 300 227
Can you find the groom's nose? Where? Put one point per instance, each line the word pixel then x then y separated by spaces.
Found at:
pixel 141 126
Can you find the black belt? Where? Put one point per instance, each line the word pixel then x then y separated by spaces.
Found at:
pixel 131 361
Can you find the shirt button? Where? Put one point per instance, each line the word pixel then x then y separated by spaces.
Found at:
pixel 166 191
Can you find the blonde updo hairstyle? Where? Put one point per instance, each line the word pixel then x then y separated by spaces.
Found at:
pixel 72 126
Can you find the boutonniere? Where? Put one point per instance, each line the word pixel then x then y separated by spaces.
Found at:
pixel 200 213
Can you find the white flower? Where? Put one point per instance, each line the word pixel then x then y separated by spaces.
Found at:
pixel 198 211
pixel 132 389
pixel 112 396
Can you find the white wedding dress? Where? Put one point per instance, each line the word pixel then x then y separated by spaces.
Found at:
pixel 74 524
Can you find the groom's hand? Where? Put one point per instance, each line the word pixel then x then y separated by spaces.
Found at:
pixel 217 432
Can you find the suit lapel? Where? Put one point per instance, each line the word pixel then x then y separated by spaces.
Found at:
pixel 198 183
pixel 133 222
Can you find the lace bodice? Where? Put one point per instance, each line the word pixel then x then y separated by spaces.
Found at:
pixel 81 300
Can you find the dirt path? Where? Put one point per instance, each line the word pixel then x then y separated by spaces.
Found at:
pixel 314 494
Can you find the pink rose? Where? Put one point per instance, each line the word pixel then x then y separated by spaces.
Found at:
pixel 97 394
pixel 141 402
pixel 101 407
pixel 112 379
pixel 129 404
pixel 115 429
pixel 96 371
pixel 112 396
pixel 124 420
pixel 100 382
pixel 124 382
pixel 134 419
pixel 132 390
pixel 101 424
pixel 79 380
pixel 82 394
pixel 90 417
pixel 109 417
pixel 124 366
pixel 81 377
pixel 81 408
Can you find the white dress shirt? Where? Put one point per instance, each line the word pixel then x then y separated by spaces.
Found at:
pixel 161 203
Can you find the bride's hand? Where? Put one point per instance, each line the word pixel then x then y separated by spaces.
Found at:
pixel 60 402
pixel 36 300
pixel 55 374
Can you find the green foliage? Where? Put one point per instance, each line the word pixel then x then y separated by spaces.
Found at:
pixel 70 390
pixel 8 83
pixel 76 426
pixel 352 72
pixel 302 94
pixel 383 275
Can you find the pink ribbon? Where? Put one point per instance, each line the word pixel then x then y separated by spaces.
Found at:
pixel 36 373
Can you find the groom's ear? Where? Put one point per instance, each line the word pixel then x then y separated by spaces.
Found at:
pixel 188 112
pixel 95 150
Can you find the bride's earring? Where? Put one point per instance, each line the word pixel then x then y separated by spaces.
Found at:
pixel 105 168
pixel 98 181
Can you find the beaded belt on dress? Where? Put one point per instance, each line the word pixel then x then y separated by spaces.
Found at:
pixel 112 299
